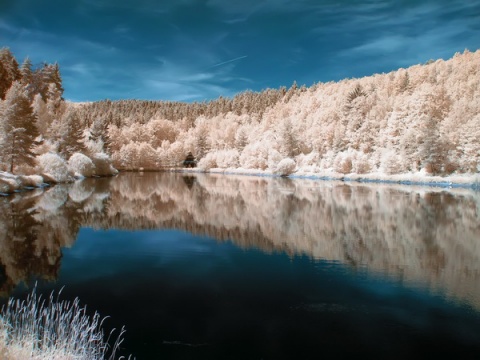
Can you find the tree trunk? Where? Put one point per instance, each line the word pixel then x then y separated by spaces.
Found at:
pixel 12 157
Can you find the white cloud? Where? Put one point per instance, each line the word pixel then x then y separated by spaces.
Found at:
pixel 384 46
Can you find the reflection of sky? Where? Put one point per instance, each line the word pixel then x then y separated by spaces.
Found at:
pixel 150 253
pixel 116 252
pixel 171 286
pixel 201 49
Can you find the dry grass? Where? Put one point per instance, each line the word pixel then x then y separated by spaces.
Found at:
pixel 50 329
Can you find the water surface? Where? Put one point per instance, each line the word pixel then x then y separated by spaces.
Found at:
pixel 211 266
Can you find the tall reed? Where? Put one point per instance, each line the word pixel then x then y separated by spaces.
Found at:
pixel 54 329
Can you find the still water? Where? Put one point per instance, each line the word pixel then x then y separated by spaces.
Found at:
pixel 236 267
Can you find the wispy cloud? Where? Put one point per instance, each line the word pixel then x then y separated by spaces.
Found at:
pixel 399 39
pixel 228 61
pixel 4 25
pixel 184 82
pixel 195 50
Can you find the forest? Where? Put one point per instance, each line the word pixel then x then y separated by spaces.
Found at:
pixel 420 121
pixel 41 135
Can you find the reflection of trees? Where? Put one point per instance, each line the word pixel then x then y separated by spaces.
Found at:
pixel 20 255
pixel 34 226
pixel 405 232
pixel 408 233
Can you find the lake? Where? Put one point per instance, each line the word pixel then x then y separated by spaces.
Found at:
pixel 201 266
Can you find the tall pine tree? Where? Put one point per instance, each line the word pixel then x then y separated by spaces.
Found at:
pixel 18 128
pixel 9 71
pixel 70 135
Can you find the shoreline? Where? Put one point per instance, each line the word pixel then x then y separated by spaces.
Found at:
pixel 11 184
pixel 463 181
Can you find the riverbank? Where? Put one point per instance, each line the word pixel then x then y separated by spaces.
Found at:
pixel 10 183
pixel 56 170
pixel 468 181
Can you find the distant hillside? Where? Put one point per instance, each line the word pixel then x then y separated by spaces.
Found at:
pixel 422 119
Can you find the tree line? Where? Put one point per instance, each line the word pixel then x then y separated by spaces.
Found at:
pixel 422 119
pixel 38 130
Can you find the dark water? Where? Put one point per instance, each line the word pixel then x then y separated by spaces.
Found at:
pixel 217 267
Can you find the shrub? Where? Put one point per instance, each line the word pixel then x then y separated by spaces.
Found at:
pixel 343 163
pixel 54 167
pixel 285 167
pixel 274 157
pixel 254 156
pixel 81 165
pixel 103 165
pixel 227 158
pixel 208 162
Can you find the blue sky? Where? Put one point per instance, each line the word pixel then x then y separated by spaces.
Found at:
pixel 192 50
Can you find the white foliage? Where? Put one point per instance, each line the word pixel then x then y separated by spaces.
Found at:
pixel 103 165
pixel 227 158
pixel 81 165
pixel 208 162
pixel 343 163
pixel 176 153
pixel 309 163
pixel 274 157
pixel 223 159
pixel 285 167
pixel 54 167
pixel 391 163
pixel 93 146
pixel 255 156
pixel 424 117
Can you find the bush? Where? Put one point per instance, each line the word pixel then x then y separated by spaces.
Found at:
pixel 343 163
pixel 227 158
pixel 274 157
pixel 285 167
pixel 208 162
pixel 81 165
pixel 54 168
pixel 254 156
pixel 103 165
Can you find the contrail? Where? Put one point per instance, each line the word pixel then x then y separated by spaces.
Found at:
pixel 228 61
